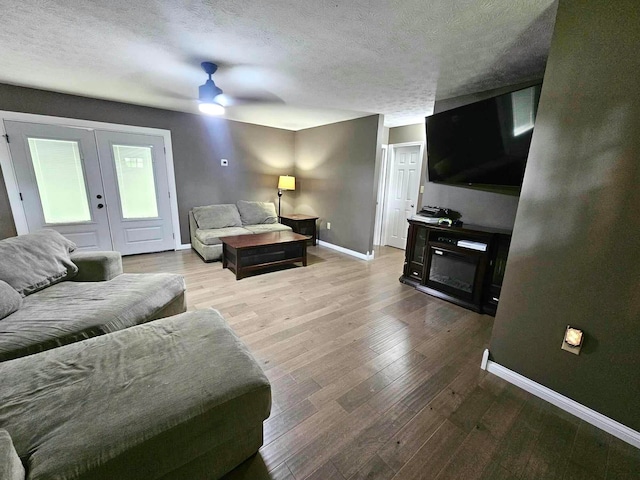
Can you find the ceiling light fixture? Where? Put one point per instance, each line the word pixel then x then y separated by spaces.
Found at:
pixel 209 91
pixel 212 108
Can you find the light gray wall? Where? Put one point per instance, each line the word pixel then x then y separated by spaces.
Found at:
pixel 385 134
pixel 257 155
pixel 408 133
pixel 575 255
pixel 335 168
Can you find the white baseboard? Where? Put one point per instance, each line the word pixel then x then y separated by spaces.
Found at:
pixel 603 422
pixel 353 253
pixel 184 246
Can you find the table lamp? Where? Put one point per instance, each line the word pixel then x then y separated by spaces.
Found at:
pixel 285 182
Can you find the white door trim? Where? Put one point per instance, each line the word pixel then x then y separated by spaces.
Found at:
pixel 11 182
pixel 391 158
pixel 382 197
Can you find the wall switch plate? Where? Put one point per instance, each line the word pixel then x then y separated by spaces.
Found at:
pixel 421 188
pixel 328 225
pixel 224 162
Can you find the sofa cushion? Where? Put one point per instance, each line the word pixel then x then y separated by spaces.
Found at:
pixel 36 260
pixel 138 403
pixel 212 236
pixel 217 216
pixel 10 466
pixel 253 213
pixel 73 311
pixel 10 300
pixel 268 227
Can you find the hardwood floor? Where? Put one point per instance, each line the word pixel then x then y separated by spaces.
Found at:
pixel 374 380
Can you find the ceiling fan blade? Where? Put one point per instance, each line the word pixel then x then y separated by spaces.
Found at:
pixel 168 93
pixel 252 99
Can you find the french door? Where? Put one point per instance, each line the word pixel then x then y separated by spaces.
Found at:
pixel 134 176
pixel 102 190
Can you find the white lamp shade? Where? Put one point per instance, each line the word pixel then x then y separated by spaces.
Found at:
pixel 285 182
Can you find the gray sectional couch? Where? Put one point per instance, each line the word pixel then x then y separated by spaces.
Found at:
pixel 177 398
pixel 208 224
pixel 60 297
pixel 95 384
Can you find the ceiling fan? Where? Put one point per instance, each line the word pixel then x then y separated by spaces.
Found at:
pixel 246 83
pixel 209 91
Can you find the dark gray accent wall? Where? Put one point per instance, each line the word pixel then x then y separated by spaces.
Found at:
pixel 257 155
pixel 477 207
pixel 575 255
pixel 335 169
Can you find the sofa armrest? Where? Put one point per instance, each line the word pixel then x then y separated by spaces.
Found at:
pixel 96 266
pixel 10 466
pixel 193 226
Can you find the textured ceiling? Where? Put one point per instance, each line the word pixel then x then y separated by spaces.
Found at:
pixel 296 64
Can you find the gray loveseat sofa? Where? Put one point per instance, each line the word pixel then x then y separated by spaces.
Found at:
pixel 52 296
pixel 208 224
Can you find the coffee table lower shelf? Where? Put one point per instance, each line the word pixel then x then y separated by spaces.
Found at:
pixel 245 253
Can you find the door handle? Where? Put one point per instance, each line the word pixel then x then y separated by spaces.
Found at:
pixel 412 206
pixel 100 205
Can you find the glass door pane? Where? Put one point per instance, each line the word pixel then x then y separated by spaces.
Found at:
pixel 419 245
pixel 60 180
pixel 455 272
pixel 136 182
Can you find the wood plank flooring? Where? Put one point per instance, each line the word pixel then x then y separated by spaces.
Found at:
pixel 374 380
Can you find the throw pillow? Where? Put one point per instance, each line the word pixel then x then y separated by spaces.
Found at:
pixel 10 300
pixel 255 213
pixel 217 216
pixel 36 260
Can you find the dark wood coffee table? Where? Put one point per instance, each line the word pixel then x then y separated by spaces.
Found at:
pixel 244 253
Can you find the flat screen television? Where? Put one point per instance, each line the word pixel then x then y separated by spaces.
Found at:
pixel 485 144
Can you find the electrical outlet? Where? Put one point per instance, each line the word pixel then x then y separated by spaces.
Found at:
pixel 224 162
pixel 328 225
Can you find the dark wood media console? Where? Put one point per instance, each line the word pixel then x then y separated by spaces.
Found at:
pixel 464 265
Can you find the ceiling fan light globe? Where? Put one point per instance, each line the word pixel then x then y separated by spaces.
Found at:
pixel 211 108
pixel 222 99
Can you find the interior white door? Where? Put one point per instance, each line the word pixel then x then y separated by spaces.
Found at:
pixel 402 195
pixel 58 174
pixel 134 174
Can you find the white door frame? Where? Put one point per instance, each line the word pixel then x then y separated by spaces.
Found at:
pixel 391 158
pixel 381 198
pixel 10 181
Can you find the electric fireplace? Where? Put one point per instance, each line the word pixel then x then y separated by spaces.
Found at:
pixel 453 271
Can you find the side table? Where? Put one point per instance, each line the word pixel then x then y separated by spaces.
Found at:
pixel 302 224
